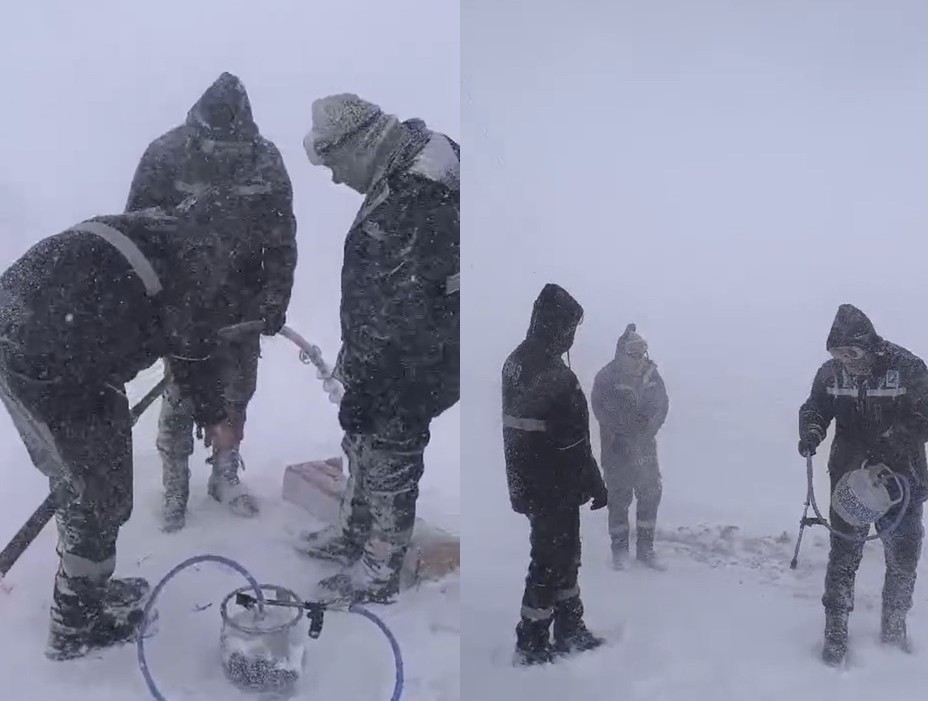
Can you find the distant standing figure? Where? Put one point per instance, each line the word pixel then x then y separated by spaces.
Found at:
pixel 630 403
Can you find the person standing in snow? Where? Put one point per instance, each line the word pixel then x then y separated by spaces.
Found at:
pixel 400 320
pixel 551 473
pixel 220 144
pixel 630 403
pixel 81 313
pixel 877 394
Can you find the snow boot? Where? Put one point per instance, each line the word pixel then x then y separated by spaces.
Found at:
pixel 619 555
pixel 176 482
pixel 330 543
pixel 359 583
pixel 645 550
pixel 893 629
pixel 225 485
pixel 126 592
pixel 533 643
pixel 88 617
pixel 834 648
pixel 570 632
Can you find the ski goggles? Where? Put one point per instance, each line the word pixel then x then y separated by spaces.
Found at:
pixel 847 354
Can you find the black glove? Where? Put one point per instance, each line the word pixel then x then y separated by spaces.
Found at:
pixel 600 498
pixel 274 320
pixel 354 413
pixel 808 443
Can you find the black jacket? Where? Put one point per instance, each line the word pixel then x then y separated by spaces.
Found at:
pixel 219 144
pixel 882 416
pixel 75 317
pixel 546 423
pixel 400 307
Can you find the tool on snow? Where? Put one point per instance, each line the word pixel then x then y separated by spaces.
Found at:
pixel 262 645
pixel 34 525
pixel 860 498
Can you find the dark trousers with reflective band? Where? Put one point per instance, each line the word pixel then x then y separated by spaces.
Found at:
pixel 901 548
pixel 551 584
pixel 87 454
pixel 378 508
pixel 634 476
pixel 176 424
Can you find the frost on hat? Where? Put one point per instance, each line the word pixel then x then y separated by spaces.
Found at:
pixel 335 119
pixel 630 340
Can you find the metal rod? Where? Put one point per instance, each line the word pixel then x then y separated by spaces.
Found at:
pixel 34 525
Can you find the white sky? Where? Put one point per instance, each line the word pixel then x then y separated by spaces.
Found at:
pixel 723 173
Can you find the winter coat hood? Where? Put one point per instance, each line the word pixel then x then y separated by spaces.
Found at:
pixel 555 317
pixel 852 327
pixel 223 111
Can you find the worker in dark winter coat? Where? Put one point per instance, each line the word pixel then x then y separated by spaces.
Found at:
pixel 877 394
pixel 219 144
pixel 81 313
pixel 630 403
pixel 551 473
pixel 400 319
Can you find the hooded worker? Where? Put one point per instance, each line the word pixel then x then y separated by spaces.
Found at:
pixel 877 395
pixel 400 320
pixel 219 144
pixel 630 403
pixel 551 473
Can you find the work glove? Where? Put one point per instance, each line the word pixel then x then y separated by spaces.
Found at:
pixel 600 497
pixel 808 444
pixel 274 320
pixel 354 412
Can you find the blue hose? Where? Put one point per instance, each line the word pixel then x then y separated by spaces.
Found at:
pixel 259 594
pixel 394 645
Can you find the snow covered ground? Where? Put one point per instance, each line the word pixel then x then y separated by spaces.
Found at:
pixel 85 89
pixel 728 620
pixel 725 175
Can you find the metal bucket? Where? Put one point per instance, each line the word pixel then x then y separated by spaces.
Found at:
pixel 263 652
pixel 861 498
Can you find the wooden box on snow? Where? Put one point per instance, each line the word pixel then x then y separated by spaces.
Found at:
pixel 317 486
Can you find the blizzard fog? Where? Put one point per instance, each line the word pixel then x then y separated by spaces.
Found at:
pixel 86 87
pixel 723 174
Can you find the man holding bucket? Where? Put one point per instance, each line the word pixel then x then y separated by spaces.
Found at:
pixel 877 394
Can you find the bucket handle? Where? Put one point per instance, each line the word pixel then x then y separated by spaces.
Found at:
pixel 882 473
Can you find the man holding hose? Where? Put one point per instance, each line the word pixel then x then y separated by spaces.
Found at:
pixel 219 143
pixel 877 394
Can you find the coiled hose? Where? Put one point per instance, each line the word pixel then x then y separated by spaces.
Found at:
pixel 259 595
